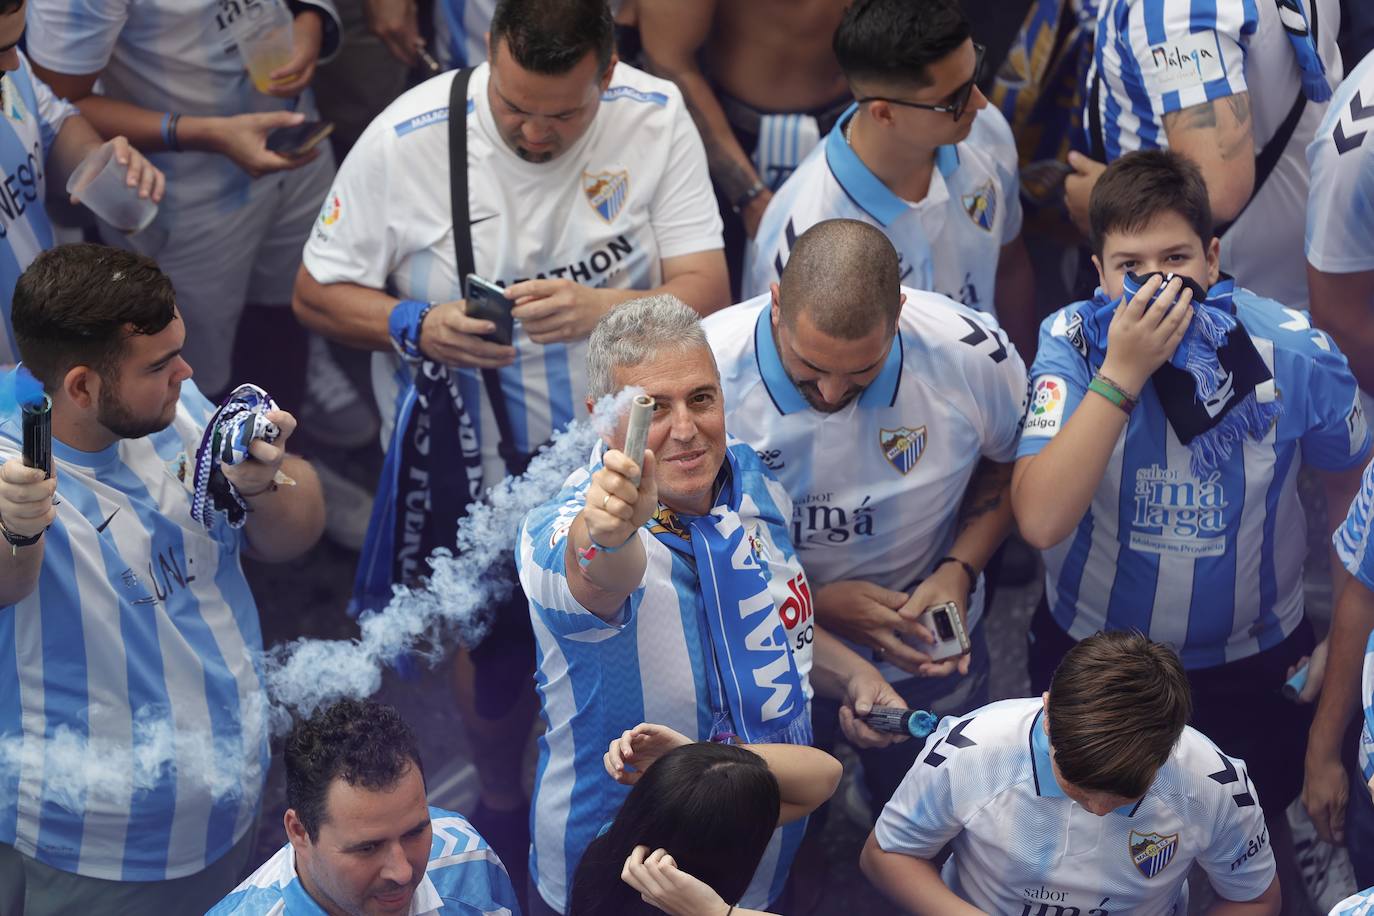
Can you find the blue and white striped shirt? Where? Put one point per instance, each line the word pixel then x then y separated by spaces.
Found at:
pixel 1361 904
pixel 596 679
pixel 33 116
pixel 170 55
pixel 464 878
pixel 131 669
pixel 1355 549
pixel 460 31
pixel 1156 57
pixel 1208 566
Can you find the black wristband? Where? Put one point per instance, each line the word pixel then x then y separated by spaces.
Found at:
pixel 972 573
pixel 745 199
pixel 19 540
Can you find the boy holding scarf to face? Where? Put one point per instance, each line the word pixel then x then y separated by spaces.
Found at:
pixel 1169 416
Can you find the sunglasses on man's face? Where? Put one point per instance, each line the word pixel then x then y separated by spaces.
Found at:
pixel 958 99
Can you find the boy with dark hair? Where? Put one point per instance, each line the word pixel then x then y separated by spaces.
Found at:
pixel 920 156
pixel 122 616
pixel 360 837
pixel 1158 465
pixel 1095 798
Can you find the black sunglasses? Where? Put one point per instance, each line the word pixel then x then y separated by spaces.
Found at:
pixel 960 96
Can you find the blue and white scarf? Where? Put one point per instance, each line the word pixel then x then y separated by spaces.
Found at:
pixel 231 430
pixel 1295 23
pixel 755 671
pixel 1232 393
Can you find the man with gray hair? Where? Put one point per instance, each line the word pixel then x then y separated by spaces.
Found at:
pixel 669 592
pixel 926 397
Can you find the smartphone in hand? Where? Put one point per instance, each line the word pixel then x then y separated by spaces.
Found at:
pixel 298 139
pixel 488 301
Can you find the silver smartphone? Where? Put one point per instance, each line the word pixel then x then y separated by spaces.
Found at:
pixel 951 640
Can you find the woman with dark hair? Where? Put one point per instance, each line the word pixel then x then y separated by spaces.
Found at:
pixel 691 833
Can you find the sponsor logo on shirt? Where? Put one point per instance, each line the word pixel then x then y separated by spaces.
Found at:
pixel 1046 410
pixel 1253 847
pixel 1152 852
pixel 1183 62
pixel 634 95
pixel 817 522
pixel 1175 513
pixel 606 192
pixel 1053 903
pixel 981 206
pixel 902 447
pixel 20 187
pixel 1073 332
pixel 434 116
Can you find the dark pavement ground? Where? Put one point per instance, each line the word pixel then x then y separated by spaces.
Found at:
pixel 306 598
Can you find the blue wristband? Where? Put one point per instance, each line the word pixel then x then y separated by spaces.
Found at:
pixel 404 326
pixel 166 136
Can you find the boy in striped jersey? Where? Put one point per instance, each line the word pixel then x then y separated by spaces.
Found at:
pixel 1158 463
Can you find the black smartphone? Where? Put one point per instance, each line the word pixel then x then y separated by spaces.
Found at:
pixel 488 301
pixel 298 139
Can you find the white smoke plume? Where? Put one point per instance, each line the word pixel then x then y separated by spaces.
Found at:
pixel 309 673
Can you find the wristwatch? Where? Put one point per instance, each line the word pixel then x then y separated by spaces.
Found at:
pixel 746 198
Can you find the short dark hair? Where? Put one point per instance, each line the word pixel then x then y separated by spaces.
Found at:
pixel 845 276
pixel 1118 703
pixel 363 743
pixel 893 41
pixel 76 305
pixel 10 6
pixel 551 36
pixel 713 807
pixel 1139 187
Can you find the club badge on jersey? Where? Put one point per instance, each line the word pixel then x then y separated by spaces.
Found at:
pixel 606 192
pixel 1151 853
pixel 981 206
pixel 902 447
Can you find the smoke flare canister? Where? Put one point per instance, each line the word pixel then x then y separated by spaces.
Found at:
pixel 637 432
pixel 914 722
pixel 37 426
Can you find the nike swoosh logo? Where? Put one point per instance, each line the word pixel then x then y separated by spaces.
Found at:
pixel 482 219
pixel 103 525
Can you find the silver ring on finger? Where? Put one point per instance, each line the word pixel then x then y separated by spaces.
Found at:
pixel 605 501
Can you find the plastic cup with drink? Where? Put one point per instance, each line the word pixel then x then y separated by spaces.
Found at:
pixel 100 182
pixel 263 31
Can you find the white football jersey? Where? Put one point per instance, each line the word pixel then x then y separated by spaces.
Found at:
pixel 876 486
pixel 948 242
pixel 985 782
pixel 631 192
pixel 1340 203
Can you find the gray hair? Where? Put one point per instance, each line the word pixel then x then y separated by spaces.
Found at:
pixel 635 331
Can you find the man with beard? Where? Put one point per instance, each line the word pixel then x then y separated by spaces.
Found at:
pixel 128 630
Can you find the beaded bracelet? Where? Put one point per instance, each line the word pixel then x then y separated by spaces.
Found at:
pixel 1113 392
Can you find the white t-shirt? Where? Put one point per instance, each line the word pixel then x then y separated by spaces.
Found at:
pixel 948 242
pixel 633 191
pixel 1160 56
pixel 985 782
pixel 876 486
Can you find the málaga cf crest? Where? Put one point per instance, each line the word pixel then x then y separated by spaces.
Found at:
pixel 981 206
pixel 902 447
pixel 606 192
pixel 1151 852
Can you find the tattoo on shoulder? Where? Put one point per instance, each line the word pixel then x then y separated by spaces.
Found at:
pixel 1196 117
pixel 1240 107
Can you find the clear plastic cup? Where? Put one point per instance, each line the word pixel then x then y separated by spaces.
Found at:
pixel 98 182
pixel 263 32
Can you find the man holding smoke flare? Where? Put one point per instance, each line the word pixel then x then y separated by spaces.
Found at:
pixel 133 734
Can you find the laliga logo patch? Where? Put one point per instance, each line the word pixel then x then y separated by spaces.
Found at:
pixel 1152 852
pixel 981 206
pixel 1046 407
pixel 902 447
pixel 606 192
pixel 329 213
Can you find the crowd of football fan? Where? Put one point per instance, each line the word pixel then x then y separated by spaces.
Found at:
pixel 928 296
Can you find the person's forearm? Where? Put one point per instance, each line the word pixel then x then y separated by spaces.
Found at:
pixel 76 138
pixel 911 883
pixel 19 569
pixel 1267 904
pixel 1015 297
pixel 609 577
pixel 807 777
pixel 1343 306
pixel 351 314
pixel 1340 489
pixel 1052 491
pixel 286 522
pixel 1350 627
pixel 730 166
pixel 985 517
pixel 143 127
pixel 701 290
pixel 832 665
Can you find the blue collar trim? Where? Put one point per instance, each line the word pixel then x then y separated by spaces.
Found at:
pixel 865 188
pixel 881 392
pixel 1046 786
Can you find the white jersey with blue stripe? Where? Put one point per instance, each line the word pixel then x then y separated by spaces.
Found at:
pixel 1361 904
pixel 631 193
pixel 168 55
pixel 1155 57
pixel 951 391
pixel 654 664
pixel 142 627
pixel 463 878
pixel 1208 566
pixel 1340 204
pixel 948 242
pixel 33 116
pixel 1354 543
pixel 985 783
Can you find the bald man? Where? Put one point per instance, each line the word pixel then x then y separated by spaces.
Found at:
pixel 890 415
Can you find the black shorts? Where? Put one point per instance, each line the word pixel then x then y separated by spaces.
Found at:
pixel 1239 705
